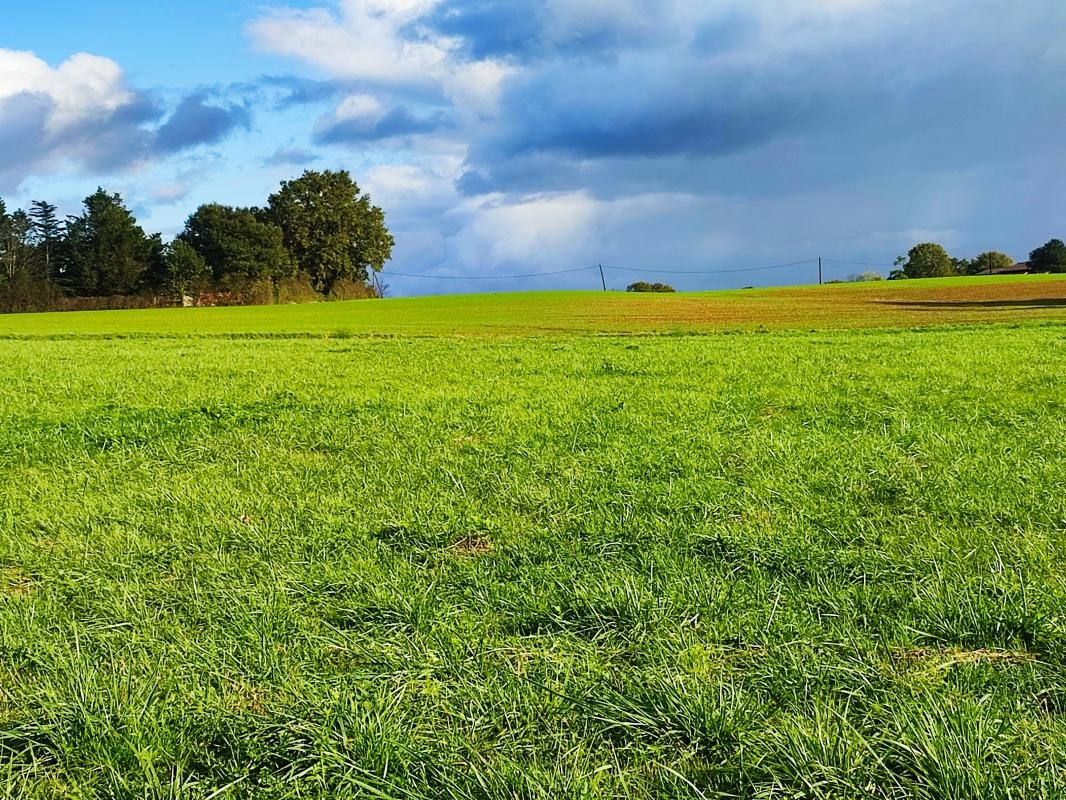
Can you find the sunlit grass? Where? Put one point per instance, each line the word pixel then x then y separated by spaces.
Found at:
pixel 755 565
pixel 867 305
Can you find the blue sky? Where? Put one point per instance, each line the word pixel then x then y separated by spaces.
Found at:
pixel 517 136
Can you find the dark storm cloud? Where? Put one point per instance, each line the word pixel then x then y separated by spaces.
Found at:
pixel 104 142
pixel 395 122
pixel 284 92
pixel 109 140
pixel 530 30
pixel 874 105
pixel 739 131
pixel 199 119
pixel 648 120
pixel 724 33
pixel 22 121
pixel 294 156
pixel 490 28
pixel 292 90
pixel 116 140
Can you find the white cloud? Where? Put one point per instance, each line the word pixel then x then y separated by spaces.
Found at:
pixel 391 184
pixel 82 116
pixel 364 43
pixel 82 87
pixel 541 230
pixel 498 233
pixel 475 88
pixel 359 106
pixel 169 192
pixel 79 113
pixel 368 41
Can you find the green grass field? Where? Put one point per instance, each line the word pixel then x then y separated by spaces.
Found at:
pixel 885 304
pixel 757 564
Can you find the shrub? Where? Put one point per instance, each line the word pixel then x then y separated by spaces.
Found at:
pixel 240 290
pixel 344 289
pixel 115 302
pixel 297 289
pixel 26 292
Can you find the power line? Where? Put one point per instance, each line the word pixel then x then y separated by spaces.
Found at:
pixel 485 277
pixel 603 267
pixel 855 263
pixel 713 271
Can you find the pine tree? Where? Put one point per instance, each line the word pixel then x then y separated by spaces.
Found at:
pixel 108 251
pixel 47 234
pixel 16 252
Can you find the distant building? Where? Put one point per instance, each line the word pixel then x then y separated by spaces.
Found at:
pixel 1021 268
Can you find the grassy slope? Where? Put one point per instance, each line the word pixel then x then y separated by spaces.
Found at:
pixel 783 565
pixel 903 303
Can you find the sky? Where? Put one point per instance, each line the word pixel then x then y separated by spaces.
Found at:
pixel 684 140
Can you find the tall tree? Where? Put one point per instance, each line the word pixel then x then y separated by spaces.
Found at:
pixel 233 241
pixel 108 251
pixel 184 270
pixel 332 230
pixel 927 260
pixel 1050 257
pixel 6 228
pixel 22 284
pixel 987 262
pixel 16 248
pixel 47 235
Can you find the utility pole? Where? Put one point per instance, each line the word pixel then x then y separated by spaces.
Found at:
pixel 603 279
pixel 819 270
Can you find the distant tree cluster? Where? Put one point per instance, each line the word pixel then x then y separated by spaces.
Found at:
pixel 1050 257
pixel 862 277
pixel 644 286
pixel 318 235
pixel 931 260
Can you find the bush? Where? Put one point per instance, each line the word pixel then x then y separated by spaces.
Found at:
pixel 115 302
pixel 25 292
pixel 644 286
pixel 297 289
pixel 344 289
pixel 240 290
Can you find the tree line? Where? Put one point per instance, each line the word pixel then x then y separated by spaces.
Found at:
pixel 931 260
pixel 317 236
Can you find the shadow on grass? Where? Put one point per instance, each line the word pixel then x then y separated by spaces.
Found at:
pixel 932 305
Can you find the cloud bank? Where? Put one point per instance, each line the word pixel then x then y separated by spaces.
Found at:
pixel 82 115
pixel 544 132
pixel 526 135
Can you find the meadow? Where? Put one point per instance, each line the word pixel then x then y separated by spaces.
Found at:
pixel 253 559
pixel 886 304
